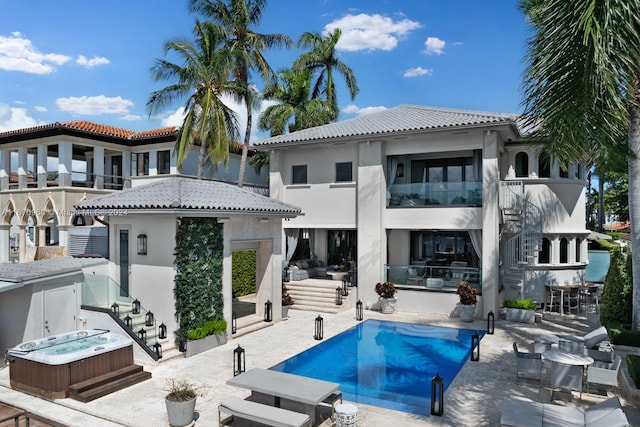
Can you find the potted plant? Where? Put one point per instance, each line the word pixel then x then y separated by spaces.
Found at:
pixel 286 302
pixel 520 310
pixel 386 292
pixel 468 300
pixel 180 401
pixel 211 334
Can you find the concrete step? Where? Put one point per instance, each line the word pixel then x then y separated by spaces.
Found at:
pixel 251 327
pixel 315 308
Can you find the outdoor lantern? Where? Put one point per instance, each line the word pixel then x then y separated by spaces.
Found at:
pixel 163 331
pixel 115 308
pixel 238 361
pixel 267 311
pixel 142 334
pixel 142 244
pixel 128 322
pixel 490 323
pixel 359 310
pixel 319 328
pixel 345 291
pixel 475 347
pixel 158 349
pixel 135 307
pixel 149 320
pixel 338 295
pixel 234 323
pixel 437 395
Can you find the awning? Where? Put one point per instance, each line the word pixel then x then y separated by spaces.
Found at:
pixel 594 235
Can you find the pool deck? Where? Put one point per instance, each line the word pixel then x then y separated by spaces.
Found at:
pixel 475 397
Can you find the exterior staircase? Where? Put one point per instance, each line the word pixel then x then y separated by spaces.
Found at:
pixel 522 237
pixel 319 295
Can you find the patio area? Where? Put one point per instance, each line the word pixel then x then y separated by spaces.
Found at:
pixel 475 398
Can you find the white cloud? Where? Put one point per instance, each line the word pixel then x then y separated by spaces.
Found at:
pixel 40 109
pixel 90 63
pixel 173 118
pixel 12 118
pixel 94 105
pixel 434 46
pixel 18 54
pixel 417 71
pixel 131 117
pixel 354 109
pixel 370 32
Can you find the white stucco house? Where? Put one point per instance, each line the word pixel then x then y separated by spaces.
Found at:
pixel 426 197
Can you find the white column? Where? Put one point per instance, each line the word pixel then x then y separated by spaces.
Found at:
pixel 490 223
pixel 5 169
pixel 555 250
pixel 22 243
pixel 98 167
pixel 65 157
pixel 22 167
pixel 63 236
pixel 153 162
pixel 41 166
pixel 174 162
pixel 126 169
pixel 4 242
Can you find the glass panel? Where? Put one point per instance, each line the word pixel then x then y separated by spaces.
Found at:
pixel 299 174
pixel 343 172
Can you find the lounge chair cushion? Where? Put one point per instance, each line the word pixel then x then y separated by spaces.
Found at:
pixel 264 414
pixel 595 337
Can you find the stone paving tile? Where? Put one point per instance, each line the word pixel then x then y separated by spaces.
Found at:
pixel 475 397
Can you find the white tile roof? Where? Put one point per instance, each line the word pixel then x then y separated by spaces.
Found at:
pixel 179 193
pixel 403 118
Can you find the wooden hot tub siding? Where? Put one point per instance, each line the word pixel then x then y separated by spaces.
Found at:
pixel 53 381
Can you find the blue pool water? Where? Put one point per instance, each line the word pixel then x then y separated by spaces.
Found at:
pixel 387 364
pixel 598 266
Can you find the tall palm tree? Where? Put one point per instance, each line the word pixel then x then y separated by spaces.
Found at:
pixel 296 109
pixel 235 19
pixel 322 60
pixel 581 87
pixel 202 79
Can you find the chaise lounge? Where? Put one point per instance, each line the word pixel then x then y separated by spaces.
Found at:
pixel 521 412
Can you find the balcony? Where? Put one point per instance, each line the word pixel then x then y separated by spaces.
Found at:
pixel 421 194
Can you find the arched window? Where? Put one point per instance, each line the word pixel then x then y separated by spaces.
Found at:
pixel 522 164
pixel 564 251
pixel 578 244
pixel 544 166
pixel 545 252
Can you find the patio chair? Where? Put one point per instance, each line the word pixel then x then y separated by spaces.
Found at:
pixel 551 299
pixel 591 339
pixel 528 364
pixel 605 374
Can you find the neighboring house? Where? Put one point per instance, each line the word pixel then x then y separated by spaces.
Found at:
pixel 426 197
pixel 45 170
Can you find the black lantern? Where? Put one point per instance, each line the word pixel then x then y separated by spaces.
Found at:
pixel 115 308
pixel 128 322
pixel 149 319
pixel 238 361
pixel 142 244
pixel 319 328
pixel 135 307
pixel 267 311
pixel 287 274
pixel 234 323
pixel 437 395
pixel 158 349
pixel 345 291
pixel 475 347
pixel 359 310
pixel 163 331
pixel 490 323
pixel 338 295
pixel 142 334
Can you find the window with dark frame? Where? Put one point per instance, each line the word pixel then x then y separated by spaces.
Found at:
pixel 299 174
pixel 164 162
pixel 139 164
pixel 344 172
pixel 544 255
pixel 564 251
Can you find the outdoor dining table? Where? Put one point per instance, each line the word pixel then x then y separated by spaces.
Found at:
pixel 563 363
pixel 284 390
pixel 563 289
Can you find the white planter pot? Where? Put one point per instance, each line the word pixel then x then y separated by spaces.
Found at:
pixel 387 305
pixel 521 315
pixel 180 413
pixel 206 343
pixel 285 311
pixel 467 312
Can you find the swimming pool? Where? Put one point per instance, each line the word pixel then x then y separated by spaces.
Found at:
pixel 387 364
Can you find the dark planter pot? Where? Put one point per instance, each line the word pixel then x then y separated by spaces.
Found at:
pixel 207 343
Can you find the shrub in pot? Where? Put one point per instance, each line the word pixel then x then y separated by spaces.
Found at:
pixel 520 310
pixel 386 292
pixel 180 402
pixel 468 299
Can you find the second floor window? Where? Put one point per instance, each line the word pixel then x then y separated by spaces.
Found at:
pixel 139 164
pixel 164 162
pixel 299 174
pixel 344 172
pixel 522 165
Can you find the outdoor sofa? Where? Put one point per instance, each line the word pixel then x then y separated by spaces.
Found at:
pixel 305 268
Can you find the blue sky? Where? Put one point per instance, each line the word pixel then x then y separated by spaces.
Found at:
pixel 66 60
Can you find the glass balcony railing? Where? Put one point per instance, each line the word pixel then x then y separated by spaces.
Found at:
pixel 430 194
pixel 443 278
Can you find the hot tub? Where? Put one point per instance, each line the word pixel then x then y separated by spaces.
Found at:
pixel 48 366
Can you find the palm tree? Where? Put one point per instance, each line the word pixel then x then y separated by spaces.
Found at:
pixel 581 87
pixel 296 109
pixel 202 79
pixel 322 59
pixel 234 18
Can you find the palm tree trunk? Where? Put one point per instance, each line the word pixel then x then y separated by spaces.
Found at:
pixel 245 148
pixel 201 157
pixel 601 201
pixel 634 206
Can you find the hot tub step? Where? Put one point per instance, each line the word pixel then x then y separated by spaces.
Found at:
pixel 102 385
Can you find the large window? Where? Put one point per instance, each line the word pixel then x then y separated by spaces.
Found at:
pixel 344 172
pixel 544 256
pixel 564 251
pixel 342 247
pixel 139 164
pixel 299 174
pixel 164 162
pixel 522 165
pixel 445 181
pixel 442 248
